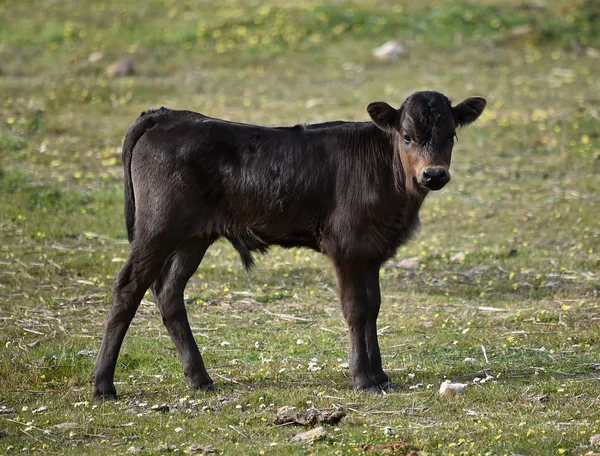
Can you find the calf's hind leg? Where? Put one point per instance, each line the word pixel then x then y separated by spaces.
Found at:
pixel 135 278
pixel 168 290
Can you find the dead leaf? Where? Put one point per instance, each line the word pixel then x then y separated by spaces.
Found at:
pixel 396 448
pixel 535 398
pixel 309 437
pixel 66 425
pixel 203 449
pixel 286 415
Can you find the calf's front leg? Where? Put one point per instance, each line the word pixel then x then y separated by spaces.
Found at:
pixel 356 287
pixel 374 297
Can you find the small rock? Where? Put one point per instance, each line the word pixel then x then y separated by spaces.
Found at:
pixel 408 263
pixel 226 399
pixel 312 102
pixel 4 410
pixel 592 52
pixel 134 449
pixel 285 410
pixel 539 398
pixel 89 353
pixel 95 56
pixel 457 257
pixel 392 50
pixel 595 440
pixel 166 448
pixel 389 431
pixel 447 388
pixel 203 449
pixel 309 437
pixel 519 31
pixel 163 408
pixel 309 417
pixel 123 67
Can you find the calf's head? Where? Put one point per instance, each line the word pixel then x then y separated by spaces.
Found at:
pixel 424 129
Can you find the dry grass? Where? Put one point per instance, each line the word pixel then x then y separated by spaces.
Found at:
pixel 499 290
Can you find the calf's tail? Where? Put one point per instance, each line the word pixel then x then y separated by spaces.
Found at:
pixel 145 122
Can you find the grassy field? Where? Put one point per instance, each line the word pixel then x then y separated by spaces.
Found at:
pixel 499 290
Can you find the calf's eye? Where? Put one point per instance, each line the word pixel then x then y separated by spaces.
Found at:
pixel 407 139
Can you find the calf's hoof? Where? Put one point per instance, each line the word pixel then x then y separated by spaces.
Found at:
pixel 202 383
pixel 372 389
pixel 367 384
pixel 105 391
pixel 384 382
pixel 388 385
pixel 206 387
pixel 374 384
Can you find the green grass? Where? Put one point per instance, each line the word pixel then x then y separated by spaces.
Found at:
pixel 507 260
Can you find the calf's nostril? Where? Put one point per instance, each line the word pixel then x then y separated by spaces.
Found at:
pixel 431 174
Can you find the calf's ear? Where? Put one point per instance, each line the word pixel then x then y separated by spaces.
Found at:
pixel 383 115
pixel 468 111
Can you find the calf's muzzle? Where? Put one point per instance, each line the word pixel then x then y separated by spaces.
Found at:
pixel 434 178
